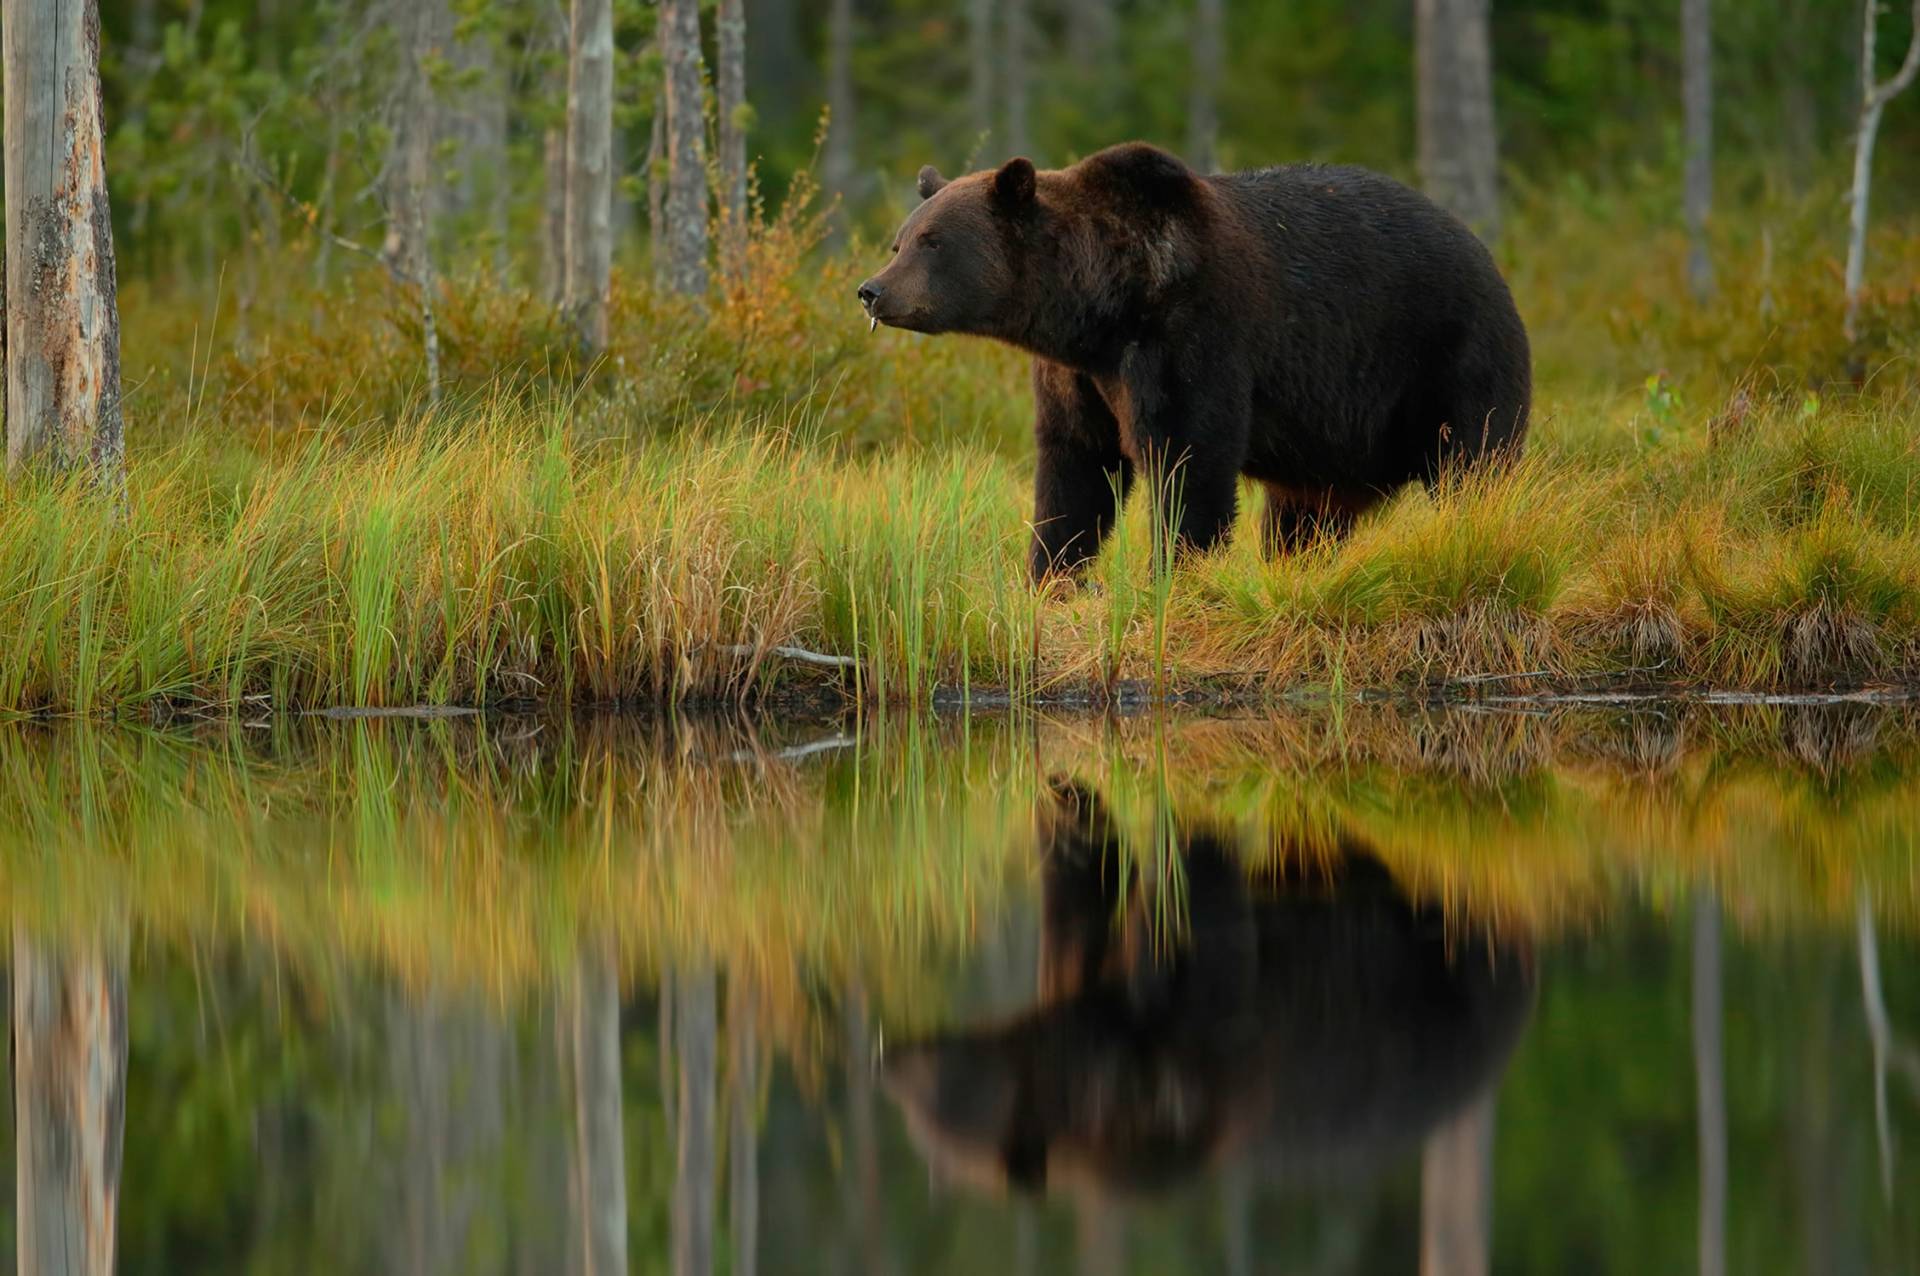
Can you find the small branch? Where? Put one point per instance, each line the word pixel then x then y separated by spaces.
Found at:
pixel 794 753
pixel 744 651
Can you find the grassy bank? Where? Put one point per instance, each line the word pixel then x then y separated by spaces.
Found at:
pixel 1712 498
pixel 489 553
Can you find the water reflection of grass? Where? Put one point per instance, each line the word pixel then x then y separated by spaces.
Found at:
pixel 491 853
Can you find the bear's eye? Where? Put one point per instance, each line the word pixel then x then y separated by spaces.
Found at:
pixel 929 241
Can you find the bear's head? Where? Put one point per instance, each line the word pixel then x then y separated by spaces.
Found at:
pixel 1055 261
pixel 957 257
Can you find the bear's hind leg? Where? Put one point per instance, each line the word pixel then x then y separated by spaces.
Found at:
pixel 1294 517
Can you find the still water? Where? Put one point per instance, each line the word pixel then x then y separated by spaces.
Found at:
pixel 1377 991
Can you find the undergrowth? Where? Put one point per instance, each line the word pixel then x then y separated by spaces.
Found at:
pixel 1718 495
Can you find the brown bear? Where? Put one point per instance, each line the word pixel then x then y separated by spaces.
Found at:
pixel 1323 330
pixel 1313 1024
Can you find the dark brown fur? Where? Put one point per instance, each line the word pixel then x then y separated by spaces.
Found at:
pixel 1325 331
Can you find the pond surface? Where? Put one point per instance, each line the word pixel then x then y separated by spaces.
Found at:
pixel 1372 991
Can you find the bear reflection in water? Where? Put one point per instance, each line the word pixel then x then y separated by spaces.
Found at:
pixel 1314 1022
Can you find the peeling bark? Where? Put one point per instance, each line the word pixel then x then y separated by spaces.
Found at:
pixel 1696 40
pixel 598 1177
pixel 686 149
pixel 1459 154
pixel 694 1045
pixel 63 324
pixel 730 31
pixel 589 172
pixel 837 161
pixel 69 1094
pixel 1203 115
pixel 1456 1194
pixel 743 1151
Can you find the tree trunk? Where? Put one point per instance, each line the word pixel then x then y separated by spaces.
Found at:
pixel 1459 155
pixel 1709 1070
pixel 1456 1193
pixel 694 1043
pixel 686 149
pixel 730 33
pixel 837 163
pixel 1696 41
pixel 860 1181
pixel 657 188
pixel 589 172
pixel 69 1097
pixel 743 1151
pixel 1018 33
pixel 599 1172
pixel 1203 117
pixel 1090 31
pixel 1874 97
pixel 480 133
pixel 412 195
pixel 63 325
pixel 980 72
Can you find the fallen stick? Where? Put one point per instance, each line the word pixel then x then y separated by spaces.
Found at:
pixel 794 653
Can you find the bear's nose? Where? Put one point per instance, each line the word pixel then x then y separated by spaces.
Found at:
pixel 868 294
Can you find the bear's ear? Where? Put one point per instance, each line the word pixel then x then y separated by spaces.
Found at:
pixel 930 182
pixel 1013 184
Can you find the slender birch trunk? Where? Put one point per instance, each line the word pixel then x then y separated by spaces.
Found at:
pixel 69 1104
pixel 1456 1194
pixel 743 1146
pixel 589 215
pixel 980 69
pixel 1459 152
pixel 1710 1086
pixel 686 149
pixel 1018 34
pixel 62 345
pixel 1696 41
pixel 598 1175
pixel 1874 96
pixel 730 32
pixel 695 1035
pixel 837 161
pixel 1203 116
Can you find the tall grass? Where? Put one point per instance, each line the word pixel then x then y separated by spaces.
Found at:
pixel 1708 499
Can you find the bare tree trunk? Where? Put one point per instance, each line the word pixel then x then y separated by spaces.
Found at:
pixel 1459 153
pixel 63 324
pixel 599 1173
pixel 69 1101
pixel 1890 1050
pixel 1203 116
pixel 589 172
pixel 1456 1193
pixel 1018 33
pixel 480 129
pixel 980 72
pixel 686 149
pixel 837 162
pixel 657 188
pixel 743 1152
pixel 1874 96
pixel 694 1038
pixel 730 39
pixel 413 198
pixel 1099 1236
pixel 1709 1069
pixel 1090 32
pixel 1696 41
